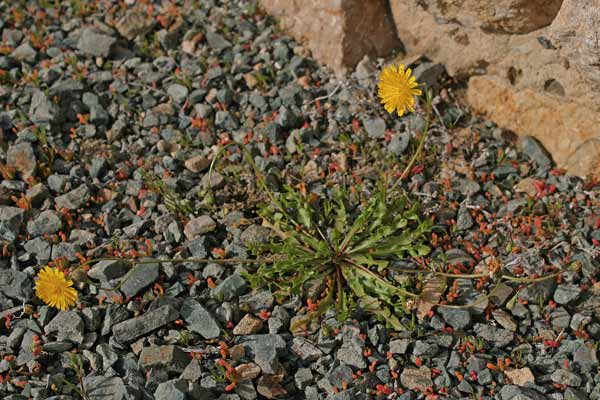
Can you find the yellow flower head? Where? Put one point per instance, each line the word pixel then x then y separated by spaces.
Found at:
pixel 397 89
pixel 55 289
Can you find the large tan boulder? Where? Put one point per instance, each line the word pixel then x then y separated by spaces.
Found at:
pixel 576 30
pixel 535 74
pixel 338 32
pixel 459 39
pixel 569 130
pixel 494 16
pixel 422 34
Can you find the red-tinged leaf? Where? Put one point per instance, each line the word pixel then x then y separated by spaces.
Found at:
pixel 539 185
pixel 417 169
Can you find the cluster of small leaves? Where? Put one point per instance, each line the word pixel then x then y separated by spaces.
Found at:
pixel 173 201
pixel 346 250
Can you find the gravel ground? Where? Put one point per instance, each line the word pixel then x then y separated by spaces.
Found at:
pixel 112 115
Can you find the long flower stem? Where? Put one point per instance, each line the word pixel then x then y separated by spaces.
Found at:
pixel 161 261
pixel 272 259
pixel 428 107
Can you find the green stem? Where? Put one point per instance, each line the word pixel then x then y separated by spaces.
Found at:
pixel 428 106
pixel 183 260
pixel 531 280
pixel 341 305
pixel 476 302
pixel 162 261
pixel 465 276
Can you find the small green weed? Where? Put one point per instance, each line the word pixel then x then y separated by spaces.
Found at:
pixel 174 202
pixel 345 250
pixel 76 364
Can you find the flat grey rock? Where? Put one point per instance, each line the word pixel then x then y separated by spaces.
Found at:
pixel 199 319
pixel 127 331
pixel 95 44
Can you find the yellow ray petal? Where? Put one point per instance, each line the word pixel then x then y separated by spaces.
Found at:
pixel 396 89
pixel 55 289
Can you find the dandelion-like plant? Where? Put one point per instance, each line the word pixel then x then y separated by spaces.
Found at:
pixel 55 289
pixel 349 249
